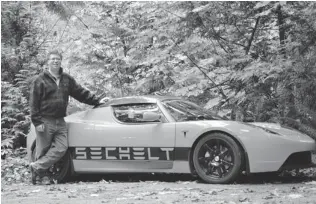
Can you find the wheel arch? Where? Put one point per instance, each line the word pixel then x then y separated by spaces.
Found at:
pixel 238 142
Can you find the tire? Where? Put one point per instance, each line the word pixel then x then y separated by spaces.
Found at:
pixel 217 159
pixel 60 171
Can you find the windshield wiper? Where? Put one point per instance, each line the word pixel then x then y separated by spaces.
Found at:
pixel 200 117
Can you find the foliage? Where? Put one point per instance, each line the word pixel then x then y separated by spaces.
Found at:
pixel 255 57
pixel 241 58
pixel 15 168
pixel 14 120
pixel 21 59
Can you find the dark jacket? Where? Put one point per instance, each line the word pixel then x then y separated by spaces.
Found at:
pixel 48 99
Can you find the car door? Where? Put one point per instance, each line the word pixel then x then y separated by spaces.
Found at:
pixel 130 144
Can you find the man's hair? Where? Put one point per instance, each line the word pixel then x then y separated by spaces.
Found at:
pixel 54 52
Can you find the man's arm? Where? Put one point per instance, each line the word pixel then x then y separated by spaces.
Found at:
pixel 35 102
pixel 81 94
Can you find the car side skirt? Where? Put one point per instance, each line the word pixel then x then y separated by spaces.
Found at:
pixel 115 160
pixel 92 166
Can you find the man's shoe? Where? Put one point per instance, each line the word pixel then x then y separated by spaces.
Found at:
pixel 46 180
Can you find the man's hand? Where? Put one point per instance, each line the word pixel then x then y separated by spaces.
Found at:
pixel 104 100
pixel 40 128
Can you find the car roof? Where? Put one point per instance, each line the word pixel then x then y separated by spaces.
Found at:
pixel 138 99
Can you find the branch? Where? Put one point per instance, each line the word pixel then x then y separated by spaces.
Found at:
pixel 201 69
pixel 235 43
pixel 171 13
pixel 47 35
pixel 77 17
pixel 69 46
pixel 118 72
pixel 63 32
pixel 252 35
pixel 221 84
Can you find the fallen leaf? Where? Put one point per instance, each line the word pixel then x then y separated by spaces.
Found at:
pixel 311 183
pixel 72 196
pixel 268 197
pixel 243 199
pixel 167 192
pixel 275 193
pixel 185 183
pixel 248 190
pixel 295 196
pixel 214 193
pixel 195 200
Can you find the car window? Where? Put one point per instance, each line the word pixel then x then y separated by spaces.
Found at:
pixel 182 110
pixel 133 113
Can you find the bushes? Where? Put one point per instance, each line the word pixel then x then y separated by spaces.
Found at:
pixel 15 120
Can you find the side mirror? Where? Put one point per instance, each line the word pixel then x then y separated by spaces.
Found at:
pixel 151 116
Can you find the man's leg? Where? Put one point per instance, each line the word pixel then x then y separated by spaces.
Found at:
pixel 57 149
pixel 43 143
pixel 44 139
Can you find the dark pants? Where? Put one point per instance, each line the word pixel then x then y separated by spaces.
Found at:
pixel 52 144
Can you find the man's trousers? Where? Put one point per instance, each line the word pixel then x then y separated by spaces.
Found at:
pixel 51 144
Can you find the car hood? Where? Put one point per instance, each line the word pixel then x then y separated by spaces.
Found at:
pixel 269 128
pixel 281 130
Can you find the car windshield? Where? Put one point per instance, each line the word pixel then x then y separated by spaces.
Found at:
pixel 187 111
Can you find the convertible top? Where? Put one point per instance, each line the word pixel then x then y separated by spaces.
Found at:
pixel 137 99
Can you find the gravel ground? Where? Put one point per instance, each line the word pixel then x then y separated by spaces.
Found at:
pixel 154 188
pixel 163 189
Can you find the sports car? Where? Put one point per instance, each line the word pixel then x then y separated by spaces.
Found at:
pixel 163 134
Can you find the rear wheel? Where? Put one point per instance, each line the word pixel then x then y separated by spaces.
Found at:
pixel 60 171
pixel 217 159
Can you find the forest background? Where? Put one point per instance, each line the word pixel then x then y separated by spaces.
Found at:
pixel 244 60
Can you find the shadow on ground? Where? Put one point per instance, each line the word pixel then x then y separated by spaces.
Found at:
pixel 250 179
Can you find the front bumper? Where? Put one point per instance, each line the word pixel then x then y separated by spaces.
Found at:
pixel 299 160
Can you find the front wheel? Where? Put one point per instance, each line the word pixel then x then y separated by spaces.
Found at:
pixel 217 159
pixel 60 171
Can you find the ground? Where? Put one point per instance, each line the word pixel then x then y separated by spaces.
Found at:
pixel 163 189
pixel 290 187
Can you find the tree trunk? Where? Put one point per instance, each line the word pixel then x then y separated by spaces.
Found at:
pixel 281 29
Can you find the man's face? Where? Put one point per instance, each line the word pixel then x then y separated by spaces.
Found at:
pixel 54 62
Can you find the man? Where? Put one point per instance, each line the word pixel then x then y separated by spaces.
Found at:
pixel 49 96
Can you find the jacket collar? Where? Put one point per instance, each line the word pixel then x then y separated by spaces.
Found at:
pixel 47 73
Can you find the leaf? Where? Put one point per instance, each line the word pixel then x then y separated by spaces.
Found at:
pixel 311 183
pixel 201 8
pixel 294 196
pixel 212 103
pixel 7 143
pixel 243 199
pixel 282 3
pixel 265 13
pixel 261 4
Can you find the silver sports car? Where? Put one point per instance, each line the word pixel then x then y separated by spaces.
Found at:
pixel 160 134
